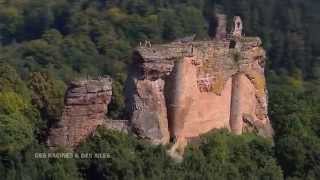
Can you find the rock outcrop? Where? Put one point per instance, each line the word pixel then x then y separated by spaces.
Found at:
pixel 181 90
pixel 85 108
pixel 176 92
pixel 117 125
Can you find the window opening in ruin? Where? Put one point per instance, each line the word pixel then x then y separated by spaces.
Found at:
pixel 232 44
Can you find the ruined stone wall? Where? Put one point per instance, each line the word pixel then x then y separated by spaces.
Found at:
pixel 221 31
pixel 182 90
pixel 176 92
pixel 85 108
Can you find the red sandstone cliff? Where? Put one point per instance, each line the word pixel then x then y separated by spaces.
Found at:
pixel 85 108
pixel 177 91
pixel 184 89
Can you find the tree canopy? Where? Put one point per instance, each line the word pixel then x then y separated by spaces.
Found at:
pixel 45 44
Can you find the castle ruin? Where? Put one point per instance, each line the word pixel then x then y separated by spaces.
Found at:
pixel 181 90
pixel 178 91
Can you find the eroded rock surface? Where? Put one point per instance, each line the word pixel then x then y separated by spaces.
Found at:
pixel 149 117
pixel 118 125
pixel 176 92
pixel 181 90
pixel 86 104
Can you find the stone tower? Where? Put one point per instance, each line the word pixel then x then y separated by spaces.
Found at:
pixel 237 26
pixel 221 31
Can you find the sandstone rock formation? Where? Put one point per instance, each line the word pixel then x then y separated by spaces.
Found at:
pixel 181 90
pixel 118 125
pixel 177 91
pixel 85 108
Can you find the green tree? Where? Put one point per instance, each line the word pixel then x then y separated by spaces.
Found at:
pixel 47 96
pixel 15 128
pixel 11 23
pixel 171 27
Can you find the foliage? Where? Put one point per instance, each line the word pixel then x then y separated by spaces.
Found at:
pixel 45 44
pixel 295 114
pixel 220 155
pixel 24 165
pixel 127 157
pixel 47 95
pixel 17 116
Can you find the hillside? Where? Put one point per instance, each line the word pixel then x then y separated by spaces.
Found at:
pixel 44 45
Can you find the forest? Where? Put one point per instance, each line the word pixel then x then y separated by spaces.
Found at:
pixel 45 44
